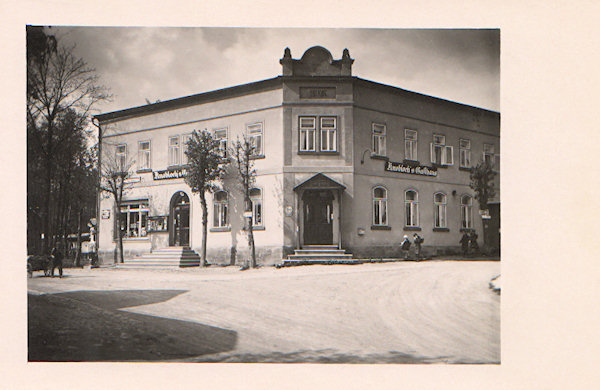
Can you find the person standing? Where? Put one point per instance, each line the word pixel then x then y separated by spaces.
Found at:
pixel 464 243
pixel 418 241
pixel 473 242
pixel 57 258
pixel 405 246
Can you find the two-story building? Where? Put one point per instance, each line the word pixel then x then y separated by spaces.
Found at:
pixel 340 161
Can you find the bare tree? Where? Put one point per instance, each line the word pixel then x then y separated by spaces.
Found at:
pixel 243 152
pixel 114 175
pixel 482 182
pixel 203 174
pixel 57 82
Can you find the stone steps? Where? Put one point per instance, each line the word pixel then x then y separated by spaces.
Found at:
pixel 319 254
pixel 164 258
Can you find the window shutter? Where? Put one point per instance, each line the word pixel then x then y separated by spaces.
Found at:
pixel 449 155
pixel 431 152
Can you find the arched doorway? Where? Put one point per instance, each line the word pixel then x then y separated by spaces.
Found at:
pixel 179 228
pixel 318 217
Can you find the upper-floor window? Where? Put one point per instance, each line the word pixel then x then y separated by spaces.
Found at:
pixel 328 134
pixel 174 151
pixel 465 153
pixel 221 206
pixel 257 208
pixel 255 136
pixel 466 212
pixel 144 155
pixel 440 153
pixel 184 147
pixel 439 204
pixel 308 128
pixel 121 156
pixel 221 136
pixel 411 200
pixel 380 206
pixel 378 139
pixel 488 153
pixel 410 144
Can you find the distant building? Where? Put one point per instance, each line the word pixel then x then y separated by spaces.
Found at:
pixel 341 161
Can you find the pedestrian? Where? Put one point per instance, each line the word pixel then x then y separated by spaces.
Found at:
pixel 464 243
pixel 473 242
pixel 405 246
pixel 57 258
pixel 418 241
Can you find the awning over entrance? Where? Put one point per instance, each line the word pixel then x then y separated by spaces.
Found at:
pixel 320 181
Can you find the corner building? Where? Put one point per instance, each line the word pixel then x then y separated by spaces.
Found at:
pixel 340 161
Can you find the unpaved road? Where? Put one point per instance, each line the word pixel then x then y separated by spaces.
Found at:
pixel 435 311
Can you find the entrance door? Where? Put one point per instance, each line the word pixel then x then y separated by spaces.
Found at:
pixel 180 215
pixel 318 217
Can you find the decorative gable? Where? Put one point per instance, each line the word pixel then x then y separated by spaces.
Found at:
pixel 316 61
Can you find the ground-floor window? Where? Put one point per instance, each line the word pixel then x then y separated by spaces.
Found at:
pixel 411 201
pixel 466 212
pixel 134 219
pixel 257 208
pixel 221 206
pixel 439 203
pixel 380 206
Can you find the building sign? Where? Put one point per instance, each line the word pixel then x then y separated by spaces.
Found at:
pixel 169 174
pixel 157 223
pixel 134 179
pixel 391 166
pixel 317 93
pixel 105 214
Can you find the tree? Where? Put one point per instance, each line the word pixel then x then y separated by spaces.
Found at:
pixel 243 151
pixel 482 182
pixel 203 174
pixel 113 181
pixel 58 83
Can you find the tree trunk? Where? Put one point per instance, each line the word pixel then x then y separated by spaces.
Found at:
pixel 204 228
pixel 78 255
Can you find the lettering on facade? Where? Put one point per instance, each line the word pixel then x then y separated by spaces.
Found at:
pixel 391 166
pixel 317 93
pixel 174 174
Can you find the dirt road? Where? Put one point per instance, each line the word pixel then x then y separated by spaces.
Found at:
pixel 438 311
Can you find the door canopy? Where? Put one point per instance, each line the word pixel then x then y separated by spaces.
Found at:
pixel 321 182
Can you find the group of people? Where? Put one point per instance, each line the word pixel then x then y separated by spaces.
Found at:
pixel 405 245
pixel 468 243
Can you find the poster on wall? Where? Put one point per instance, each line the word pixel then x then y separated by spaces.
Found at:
pixel 157 223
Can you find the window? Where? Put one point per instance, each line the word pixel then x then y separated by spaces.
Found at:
pixel 440 153
pixel 221 206
pixel 144 154
pixel 257 210
pixel 121 156
pixel 308 129
pixel 328 134
pixel 380 206
pixel 465 153
pixel 255 136
pixel 411 200
pixel 410 144
pixel 174 151
pixel 466 212
pixel 439 204
pixel 134 219
pixel 378 139
pixel 184 147
pixel 488 153
pixel 221 136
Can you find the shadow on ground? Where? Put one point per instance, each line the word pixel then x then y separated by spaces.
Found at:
pixel 88 326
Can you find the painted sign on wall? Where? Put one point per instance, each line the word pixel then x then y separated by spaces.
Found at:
pixel 399 167
pixel 317 93
pixel 169 174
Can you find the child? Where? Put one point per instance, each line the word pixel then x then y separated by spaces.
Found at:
pixel 405 246
pixel 418 241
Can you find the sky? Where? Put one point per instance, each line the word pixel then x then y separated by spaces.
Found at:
pixel 158 63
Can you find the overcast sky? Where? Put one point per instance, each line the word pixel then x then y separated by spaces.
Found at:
pixel 166 63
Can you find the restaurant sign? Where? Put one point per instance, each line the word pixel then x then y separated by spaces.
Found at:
pixel 391 166
pixel 169 174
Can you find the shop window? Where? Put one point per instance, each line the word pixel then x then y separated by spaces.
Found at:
pixel 255 136
pixel 465 153
pixel 174 149
pixel 134 219
pixel 439 204
pixel 121 157
pixel 184 148
pixel 378 139
pixel 410 144
pixel 257 208
pixel 328 134
pixel 380 207
pixel 466 212
pixel 488 154
pixel 144 156
pixel 308 128
pixel 440 153
pixel 411 201
pixel 221 136
pixel 221 209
